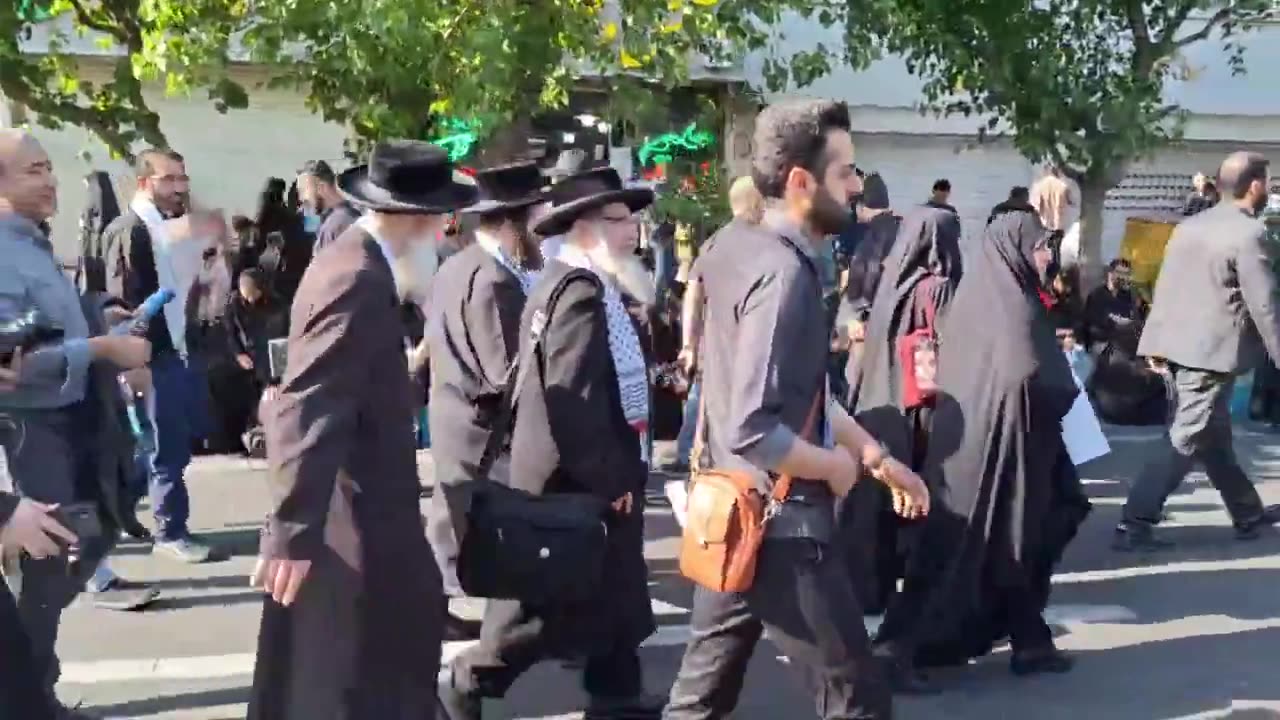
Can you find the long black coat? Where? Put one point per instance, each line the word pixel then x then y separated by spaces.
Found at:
pixel 570 435
pixel 475 331
pixel 362 640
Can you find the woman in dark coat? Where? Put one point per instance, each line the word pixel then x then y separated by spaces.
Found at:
pixel 100 208
pixel 1007 499
pixel 295 248
pixel 919 279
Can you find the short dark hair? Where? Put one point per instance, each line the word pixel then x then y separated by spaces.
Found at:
pixel 319 170
pixel 942 185
pixel 256 275
pixel 1119 263
pixel 1019 192
pixel 793 134
pixel 1241 170
pixel 240 223
pixel 145 166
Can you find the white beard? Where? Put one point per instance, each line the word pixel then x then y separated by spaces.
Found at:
pixel 626 271
pixel 415 270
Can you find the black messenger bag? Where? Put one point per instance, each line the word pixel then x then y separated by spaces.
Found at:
pixel 543 550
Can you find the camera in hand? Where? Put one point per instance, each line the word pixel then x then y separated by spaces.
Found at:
pixel 671 377
pixel 26 332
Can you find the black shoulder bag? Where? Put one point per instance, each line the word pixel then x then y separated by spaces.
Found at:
pixel 544 550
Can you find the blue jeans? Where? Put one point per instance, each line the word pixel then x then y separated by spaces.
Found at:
pixel 689 425
pixel 175 420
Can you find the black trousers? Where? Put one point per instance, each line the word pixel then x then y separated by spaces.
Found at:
pixel 803 598
pixel 512 641
pixel 22 690
pixel 1200 431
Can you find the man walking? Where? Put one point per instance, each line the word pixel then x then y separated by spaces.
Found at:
pixel 767 412
pixel 1212 318
pixel 353 625
pixel 146 258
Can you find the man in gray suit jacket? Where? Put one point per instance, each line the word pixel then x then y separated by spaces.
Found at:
pixel 1213 316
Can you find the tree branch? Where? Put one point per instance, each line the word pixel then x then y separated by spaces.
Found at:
pixel 86 17
pixel 1215 20
pixel 1142 56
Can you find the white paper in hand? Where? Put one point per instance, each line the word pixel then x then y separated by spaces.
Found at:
pixel 678 495
pixel 1081 431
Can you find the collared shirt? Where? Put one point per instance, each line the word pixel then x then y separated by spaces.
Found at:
pixel 56 375
pixel 765 350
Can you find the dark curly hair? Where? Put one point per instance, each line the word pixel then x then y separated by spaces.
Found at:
pixel 793 134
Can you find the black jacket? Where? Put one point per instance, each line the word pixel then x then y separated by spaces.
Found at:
pixel 131 270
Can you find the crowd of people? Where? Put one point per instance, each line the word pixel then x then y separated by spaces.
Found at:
pixel 893 396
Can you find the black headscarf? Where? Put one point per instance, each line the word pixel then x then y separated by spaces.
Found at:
pixel 873 247
pixel 927 249
pixel 100 208
pixel 1007 498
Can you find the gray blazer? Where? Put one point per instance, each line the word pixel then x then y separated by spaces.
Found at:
pixel 1214 306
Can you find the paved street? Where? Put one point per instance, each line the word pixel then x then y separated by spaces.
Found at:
pixel 1187 634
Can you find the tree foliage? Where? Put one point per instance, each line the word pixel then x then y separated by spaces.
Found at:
pixel 382 67
pixel 1080 82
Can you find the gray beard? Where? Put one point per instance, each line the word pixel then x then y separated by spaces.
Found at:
pixel 626 272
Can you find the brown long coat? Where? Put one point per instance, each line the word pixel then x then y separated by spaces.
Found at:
pixel 363 638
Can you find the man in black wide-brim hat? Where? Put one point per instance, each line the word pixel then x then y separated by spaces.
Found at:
pixel 474 332
pixel 353 625
pixel 580 413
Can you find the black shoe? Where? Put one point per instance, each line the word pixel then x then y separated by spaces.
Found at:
pixel 124 596
pixel 637 707
pixel 905 678
pixel 1137 537
pixel 1252 530
pixel 1038 662
pixel 456 704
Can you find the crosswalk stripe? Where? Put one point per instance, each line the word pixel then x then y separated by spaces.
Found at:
pixel 241 664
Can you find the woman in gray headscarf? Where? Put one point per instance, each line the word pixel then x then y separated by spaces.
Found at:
pixel 918 279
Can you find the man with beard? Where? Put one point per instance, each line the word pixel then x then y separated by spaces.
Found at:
pixel 581 411
pixel 321 200
pixel 766 411
pixel 352 628
pixel 474 334
pixel 146 253
pixel 1212 317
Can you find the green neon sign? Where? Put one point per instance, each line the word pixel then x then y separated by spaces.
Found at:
pixel 664 148
pixel 34 10
pixel 459 137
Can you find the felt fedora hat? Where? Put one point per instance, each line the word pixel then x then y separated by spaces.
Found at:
pixel 407 176
pixel 586 191
pixel 509 187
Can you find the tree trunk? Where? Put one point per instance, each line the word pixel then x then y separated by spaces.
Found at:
pixel 1093 198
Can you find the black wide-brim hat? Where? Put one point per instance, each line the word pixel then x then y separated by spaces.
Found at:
pixel 586 191
pixel 409 177
pixel 509 187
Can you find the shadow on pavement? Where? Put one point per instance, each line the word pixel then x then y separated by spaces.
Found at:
pixel 171 703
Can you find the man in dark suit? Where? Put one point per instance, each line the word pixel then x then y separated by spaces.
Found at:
pixel 580 414
pixel 353 625
pixel 318 192
pixel 1212 318
pixel 474 330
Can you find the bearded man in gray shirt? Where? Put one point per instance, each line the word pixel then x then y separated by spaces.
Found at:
pixel 765 347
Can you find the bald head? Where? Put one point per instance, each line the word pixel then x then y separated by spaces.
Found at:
pixel 27 185
pixel 1239 173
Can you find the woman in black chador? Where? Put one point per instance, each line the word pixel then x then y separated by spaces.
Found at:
pixel 1007 499
pixel 918 281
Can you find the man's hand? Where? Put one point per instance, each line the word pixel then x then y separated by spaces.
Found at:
pixel 115 315
pixel 910 494
pixel 33 529
pixel 281 579
pixel 688 359
pixel 623 504
pixel 11 373
pixel 843 473
pixel 244 361
pixel 124 351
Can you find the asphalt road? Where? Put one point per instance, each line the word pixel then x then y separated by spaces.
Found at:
pixel 1194 632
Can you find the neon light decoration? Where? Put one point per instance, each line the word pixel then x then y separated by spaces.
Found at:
pixel 664 148
pixel 34 11
pixel 459 137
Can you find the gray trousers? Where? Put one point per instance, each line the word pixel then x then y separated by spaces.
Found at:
pixel 1199 431
pixel 45 458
